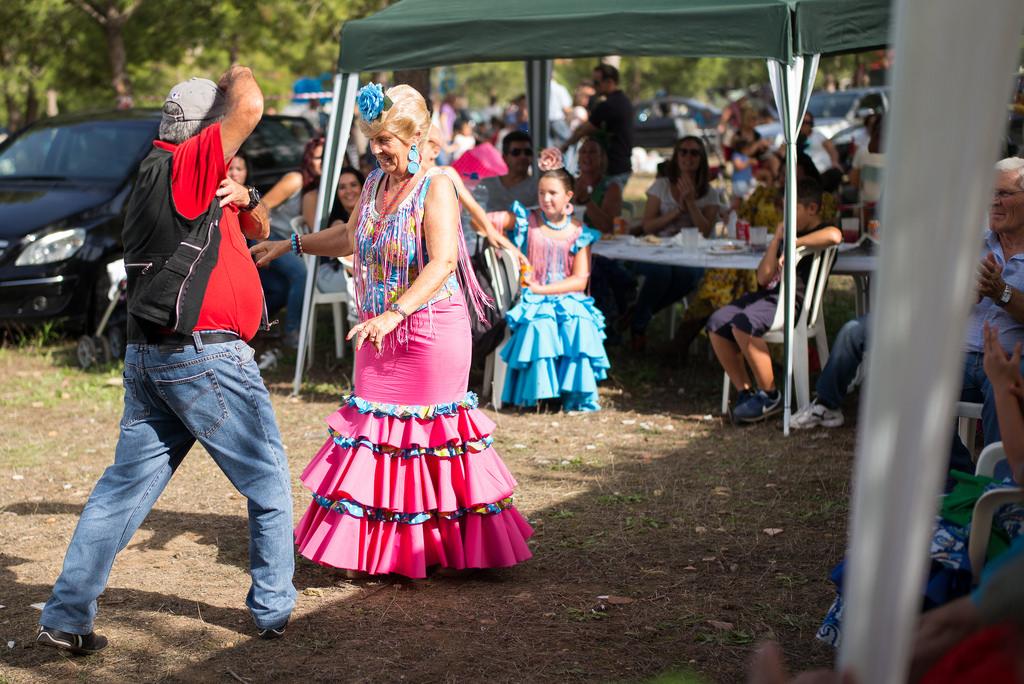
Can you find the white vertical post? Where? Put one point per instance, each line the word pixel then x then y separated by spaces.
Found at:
pixel 338 128
pixel 791 85
pixel 938 182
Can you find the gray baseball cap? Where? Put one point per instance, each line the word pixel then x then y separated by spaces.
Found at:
pixel 197 99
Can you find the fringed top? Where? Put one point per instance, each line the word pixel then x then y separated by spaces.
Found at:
pixel 388 255
pixel 551 258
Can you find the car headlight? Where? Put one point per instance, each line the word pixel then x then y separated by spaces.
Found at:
pixel 52 247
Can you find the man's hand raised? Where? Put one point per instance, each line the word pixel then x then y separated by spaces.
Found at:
pixel 244 108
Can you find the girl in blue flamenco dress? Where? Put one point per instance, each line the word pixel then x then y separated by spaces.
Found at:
pixel 555 349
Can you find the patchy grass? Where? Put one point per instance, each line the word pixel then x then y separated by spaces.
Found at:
pixel 653 499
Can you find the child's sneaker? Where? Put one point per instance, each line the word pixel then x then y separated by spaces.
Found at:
pixel 814 415
pixel 758 407
pixel 741 398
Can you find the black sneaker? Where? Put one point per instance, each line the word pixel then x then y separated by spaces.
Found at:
pixel 79 644
pixel 273 632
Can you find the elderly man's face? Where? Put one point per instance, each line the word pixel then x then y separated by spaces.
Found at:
pixel 1006 214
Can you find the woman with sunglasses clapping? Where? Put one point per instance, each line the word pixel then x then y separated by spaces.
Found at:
pixel 682 198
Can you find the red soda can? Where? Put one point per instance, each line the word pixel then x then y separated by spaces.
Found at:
pixel 743 230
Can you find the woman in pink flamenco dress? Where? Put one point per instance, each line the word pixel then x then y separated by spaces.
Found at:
pixel 408 478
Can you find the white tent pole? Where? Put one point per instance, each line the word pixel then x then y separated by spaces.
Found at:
pixel 791 85
pixel 938 181
pixel 338 128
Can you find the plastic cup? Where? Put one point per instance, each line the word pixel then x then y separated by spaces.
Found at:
pixel 851 229
pixel 758 238
pixel 689 238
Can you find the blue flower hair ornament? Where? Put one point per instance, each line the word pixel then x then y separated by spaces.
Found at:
pixel 372 101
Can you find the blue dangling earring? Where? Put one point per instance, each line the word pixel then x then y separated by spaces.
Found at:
pixel 414 159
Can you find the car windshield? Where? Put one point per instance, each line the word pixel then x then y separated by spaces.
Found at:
pixel 93 150
pixel 831 105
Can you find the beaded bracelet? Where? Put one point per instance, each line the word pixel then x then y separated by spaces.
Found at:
pixel 297 244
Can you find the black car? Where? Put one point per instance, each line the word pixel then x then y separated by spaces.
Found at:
pixel 64 182
pixel 662 121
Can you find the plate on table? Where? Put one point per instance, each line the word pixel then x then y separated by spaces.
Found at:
pixel 729 247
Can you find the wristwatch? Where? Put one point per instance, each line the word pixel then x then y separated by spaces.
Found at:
pixel 398 310
pixel 1004 298
pixel 254 198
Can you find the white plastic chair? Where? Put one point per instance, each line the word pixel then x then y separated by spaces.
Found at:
pixel 986 506
pixel 336 300
pixel 968 414
pixel 503 266
pixel 809 323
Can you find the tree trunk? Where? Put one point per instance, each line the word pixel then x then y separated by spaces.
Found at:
pixel 13 112
pixel 113 19
pixel 118 64
pixel 31 104
pixel 418 79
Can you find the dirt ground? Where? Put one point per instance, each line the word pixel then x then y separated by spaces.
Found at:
pixel 709 538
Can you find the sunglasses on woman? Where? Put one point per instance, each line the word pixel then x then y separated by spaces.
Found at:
pixel 518 151
pixel 690 151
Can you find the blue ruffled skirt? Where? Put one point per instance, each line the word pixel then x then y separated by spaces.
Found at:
pixel 555 351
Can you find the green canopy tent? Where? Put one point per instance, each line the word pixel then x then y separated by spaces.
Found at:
pixel 421 34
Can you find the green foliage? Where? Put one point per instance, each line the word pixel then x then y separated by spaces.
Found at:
pixel 478 82
pixel 642 77
pixel 62 45
pixel 36 34
pixel 59 46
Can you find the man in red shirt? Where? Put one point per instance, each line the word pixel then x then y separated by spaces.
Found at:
pixel 194 300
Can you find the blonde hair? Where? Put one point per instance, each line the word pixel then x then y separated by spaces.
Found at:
pixel 405 119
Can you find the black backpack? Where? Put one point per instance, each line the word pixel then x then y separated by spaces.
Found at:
pixel 489 333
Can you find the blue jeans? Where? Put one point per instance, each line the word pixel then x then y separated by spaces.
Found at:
pixel 293 268
pixel 663 285
pixel 611 286
pixel 173 397
pixel 843 360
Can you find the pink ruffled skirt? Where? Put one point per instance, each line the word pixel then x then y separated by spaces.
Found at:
pixel 408 478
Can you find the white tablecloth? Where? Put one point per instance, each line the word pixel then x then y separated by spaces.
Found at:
pixel 852 259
